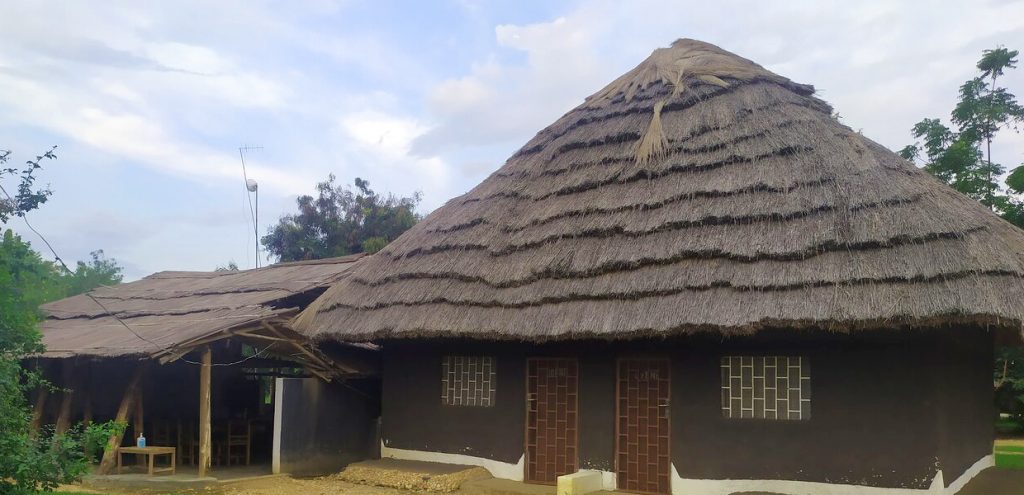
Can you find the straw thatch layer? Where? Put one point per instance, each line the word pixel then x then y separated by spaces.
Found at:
pixel 169 309
pixel 698 192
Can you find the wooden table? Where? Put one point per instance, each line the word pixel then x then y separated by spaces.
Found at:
pixel 152 452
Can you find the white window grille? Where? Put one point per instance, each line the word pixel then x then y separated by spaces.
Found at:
pixel 766 387
pixel 468 381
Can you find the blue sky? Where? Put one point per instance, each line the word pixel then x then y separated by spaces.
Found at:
pixel 149 102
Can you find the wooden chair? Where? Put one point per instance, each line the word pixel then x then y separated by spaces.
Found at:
pixel 239 442
pixel 163 433
pixel 188 443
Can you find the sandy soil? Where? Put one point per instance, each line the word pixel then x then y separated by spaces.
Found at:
pixel 279 485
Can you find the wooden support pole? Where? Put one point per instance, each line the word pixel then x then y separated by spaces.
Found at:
pixel 204 412
pixel 110 452
pixel 39 409
pixel 87 410
pixel 85 395
pixel 69 382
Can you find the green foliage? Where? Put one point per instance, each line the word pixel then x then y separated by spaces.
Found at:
pixel 31 462
pixel 374 244
pixel 1008 427
pixel 96 435
pixel 39 463
pixel 27 198
pixel 99 271
pixel 26 281
pixel 341 221
pixel 1009 379
pixel 962 157
pixel 27 463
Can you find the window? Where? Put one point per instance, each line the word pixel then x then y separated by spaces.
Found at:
pixel 766 387
pixel 468 381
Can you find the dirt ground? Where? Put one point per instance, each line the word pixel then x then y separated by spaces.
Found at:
pixel 279 485
pixel 990 482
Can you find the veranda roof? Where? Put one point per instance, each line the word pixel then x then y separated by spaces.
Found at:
pixel 171 310
pixel 697 192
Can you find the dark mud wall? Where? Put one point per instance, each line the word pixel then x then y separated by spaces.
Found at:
pixel 325 426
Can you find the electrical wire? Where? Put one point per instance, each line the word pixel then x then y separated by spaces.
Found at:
pixel 110 313
pixel 248 195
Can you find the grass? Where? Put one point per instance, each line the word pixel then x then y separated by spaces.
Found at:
pixel 1009 455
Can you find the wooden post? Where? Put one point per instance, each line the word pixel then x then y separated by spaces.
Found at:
pixel 70 382
pixel 39 409
pixel 85 393
pixel 204 412
pixel 110 452
pixel 87 410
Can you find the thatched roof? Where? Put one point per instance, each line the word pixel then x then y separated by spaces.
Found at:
pixel 698 192
pixel 170 310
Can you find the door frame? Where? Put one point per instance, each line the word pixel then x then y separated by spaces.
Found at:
pixel 668 363
pixel 526 422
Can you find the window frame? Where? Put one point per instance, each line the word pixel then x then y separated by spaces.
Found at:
pixel 760 393
pixel 480 390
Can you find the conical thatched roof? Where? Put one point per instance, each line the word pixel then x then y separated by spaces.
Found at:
pixel 698 192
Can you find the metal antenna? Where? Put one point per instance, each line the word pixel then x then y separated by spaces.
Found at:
pixel 251 187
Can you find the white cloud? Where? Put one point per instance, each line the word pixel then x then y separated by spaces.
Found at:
pixel 382 146
pixel 499 103
pixel 168 91
pixel 186 57
pixel 389 135
pixel 884 65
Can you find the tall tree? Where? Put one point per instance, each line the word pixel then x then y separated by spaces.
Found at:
pixel 962 157
pixel 341 221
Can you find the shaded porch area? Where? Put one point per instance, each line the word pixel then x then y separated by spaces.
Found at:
pixel 214 401
pixel 187 478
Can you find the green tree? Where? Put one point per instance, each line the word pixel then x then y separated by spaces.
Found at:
pixel 28 463
pixel 341 221
pixel 962 156
pixel 99 271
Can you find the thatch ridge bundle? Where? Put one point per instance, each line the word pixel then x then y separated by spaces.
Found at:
pixel 697 192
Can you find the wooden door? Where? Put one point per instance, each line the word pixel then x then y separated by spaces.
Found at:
pixel 642 462
pixel 551 414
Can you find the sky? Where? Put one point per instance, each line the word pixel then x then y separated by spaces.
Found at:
pixel 149 102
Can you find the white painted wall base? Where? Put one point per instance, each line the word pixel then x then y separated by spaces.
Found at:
pixel 505 470
pixel 982 464
pixel 684 486
pixel 725 487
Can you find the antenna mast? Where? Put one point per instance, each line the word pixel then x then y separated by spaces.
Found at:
pixel 252 187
